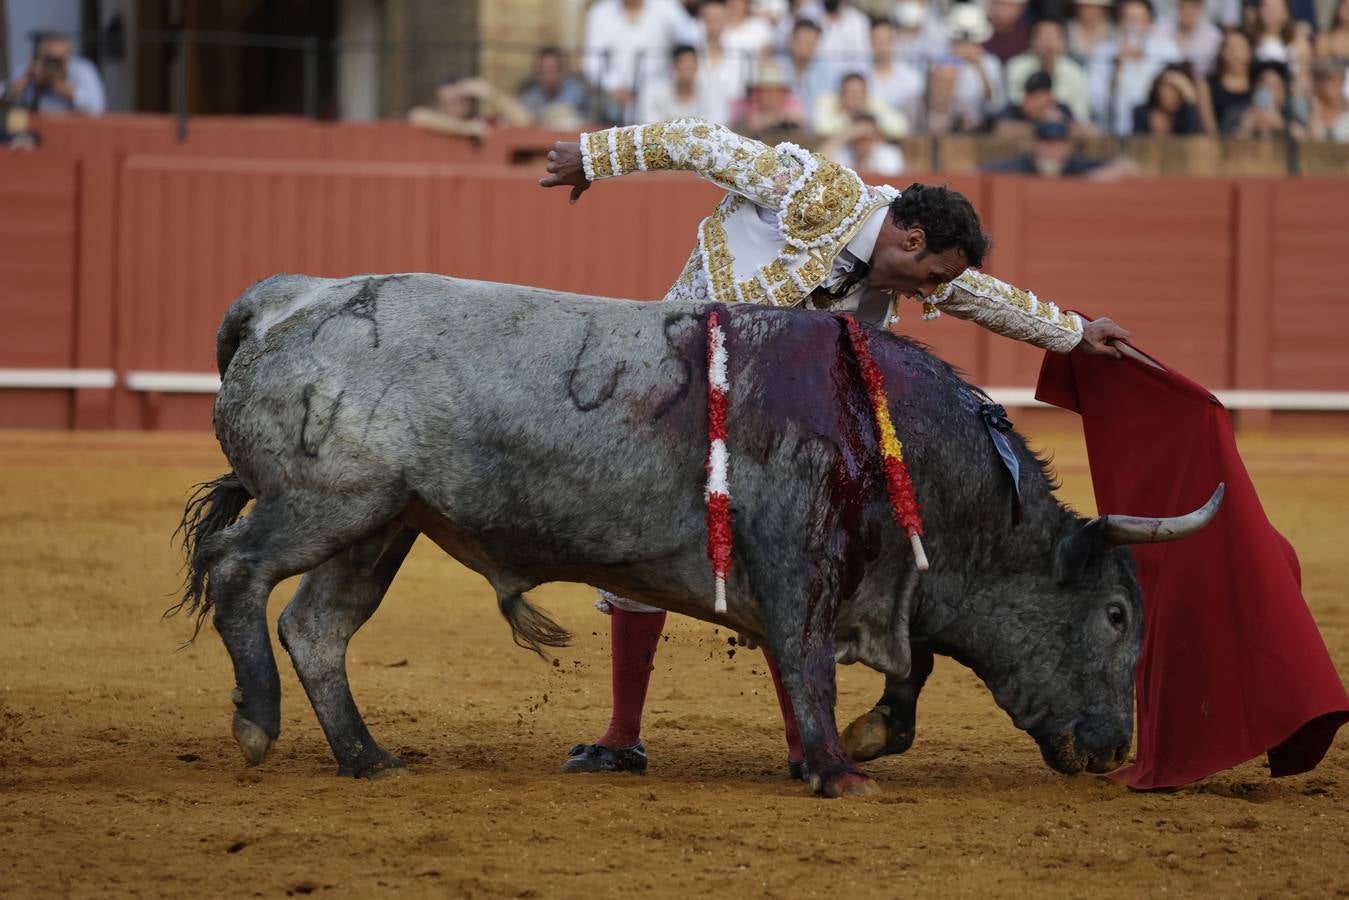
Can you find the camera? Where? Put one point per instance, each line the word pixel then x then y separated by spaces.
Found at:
pixel 52 65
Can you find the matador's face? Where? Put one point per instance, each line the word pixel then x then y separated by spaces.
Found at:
pixel 901 262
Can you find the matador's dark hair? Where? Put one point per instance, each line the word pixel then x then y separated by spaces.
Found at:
pixel 947 217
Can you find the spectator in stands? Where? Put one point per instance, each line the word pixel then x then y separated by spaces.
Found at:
pixel 1276 34
pixel 835 112
pixel 1194 34
pixel 1011 29
pixel 1229 86
pixel 57 81
pixel 1273 112
pixel 894 81
pixel 920 36
pixel 682 92
pixel 770 112
pixel 1333 43
pixel 1090 29
pixel 553 97
pixel 1052 156
pixel 747 36
pixel 862 148
pixel 627 45
pixel 1122 71
pixel 1048 53
pixel 468 107
pixel 1038 104
pixel 722 75
pixel 1172 107
pixel 1330 110
pixel 845 32
pixel 807 75
pixel 965 86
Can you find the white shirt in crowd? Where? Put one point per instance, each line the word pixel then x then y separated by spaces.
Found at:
pixel 625 52
pixel 1199 48
pixel 1113 98
pixel 884 159
pixel 845 39
pixel 659 103
pixel 969 101
pixel 750 38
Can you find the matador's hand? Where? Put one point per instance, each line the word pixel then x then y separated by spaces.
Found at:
pixel 564 167
pixel 1099 335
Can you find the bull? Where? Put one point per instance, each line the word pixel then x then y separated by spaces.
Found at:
pixel 537 436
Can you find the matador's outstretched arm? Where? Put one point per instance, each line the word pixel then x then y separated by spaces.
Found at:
pixel 762 174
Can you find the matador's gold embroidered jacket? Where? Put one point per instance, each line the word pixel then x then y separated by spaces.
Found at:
pixel 820 206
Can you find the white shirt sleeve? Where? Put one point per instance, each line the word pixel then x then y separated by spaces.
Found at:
pixel 89 96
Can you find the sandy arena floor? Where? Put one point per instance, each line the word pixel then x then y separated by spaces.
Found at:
pixel 118 775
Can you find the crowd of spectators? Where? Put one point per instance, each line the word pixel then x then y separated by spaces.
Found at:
pixel 852 82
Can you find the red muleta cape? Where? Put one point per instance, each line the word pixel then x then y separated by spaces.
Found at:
pixel 1232 663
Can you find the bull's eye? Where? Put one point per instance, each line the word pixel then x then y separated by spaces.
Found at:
pixel 1115 613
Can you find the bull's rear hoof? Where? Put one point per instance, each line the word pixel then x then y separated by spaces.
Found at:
pixel 873 735
pixel 846 784
pixel 254 742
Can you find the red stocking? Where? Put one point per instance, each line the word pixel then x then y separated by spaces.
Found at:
pixel 633 640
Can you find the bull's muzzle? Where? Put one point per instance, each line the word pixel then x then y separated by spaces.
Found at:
pixel 1067 753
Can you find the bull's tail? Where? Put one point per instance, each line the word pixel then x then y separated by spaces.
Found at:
pixel 213 507
pixel 531 627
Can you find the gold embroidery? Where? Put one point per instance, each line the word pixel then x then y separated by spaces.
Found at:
pixel 626 151
pixel 823 203
pixel 766 162
pixel 653 148
pixel 753 291
pixel 814 269
pixel 701 131
pixel 719 262
pixel 600 163
pixel 788 294
pixel 776 271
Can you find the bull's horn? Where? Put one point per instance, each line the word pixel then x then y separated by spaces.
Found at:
pixel 1139 530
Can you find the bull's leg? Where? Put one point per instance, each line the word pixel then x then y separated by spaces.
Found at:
pixel 334 601
pixel 805 657
pixel 889 727
pixel 278 539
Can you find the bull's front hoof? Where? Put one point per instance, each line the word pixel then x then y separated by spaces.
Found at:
pixel 845 784
pixel 873 734
pixel 386 765
pixel 253 740
pixel 392 767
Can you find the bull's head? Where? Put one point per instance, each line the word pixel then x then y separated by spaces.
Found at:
pixel 1064 667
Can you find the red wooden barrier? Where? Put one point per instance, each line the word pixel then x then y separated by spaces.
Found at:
pixel 38 200
pixel 1155 255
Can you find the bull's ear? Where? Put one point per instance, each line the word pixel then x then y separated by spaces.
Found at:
pixel 1078 550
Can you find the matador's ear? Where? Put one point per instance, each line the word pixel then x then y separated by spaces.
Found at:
pixel 915 239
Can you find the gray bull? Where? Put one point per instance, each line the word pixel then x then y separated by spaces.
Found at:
pixel 538 436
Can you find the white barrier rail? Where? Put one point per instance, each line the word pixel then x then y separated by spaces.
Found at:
pixel 57 378
pixel 173 382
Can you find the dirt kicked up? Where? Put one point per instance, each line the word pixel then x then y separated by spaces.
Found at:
pixel 118 775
